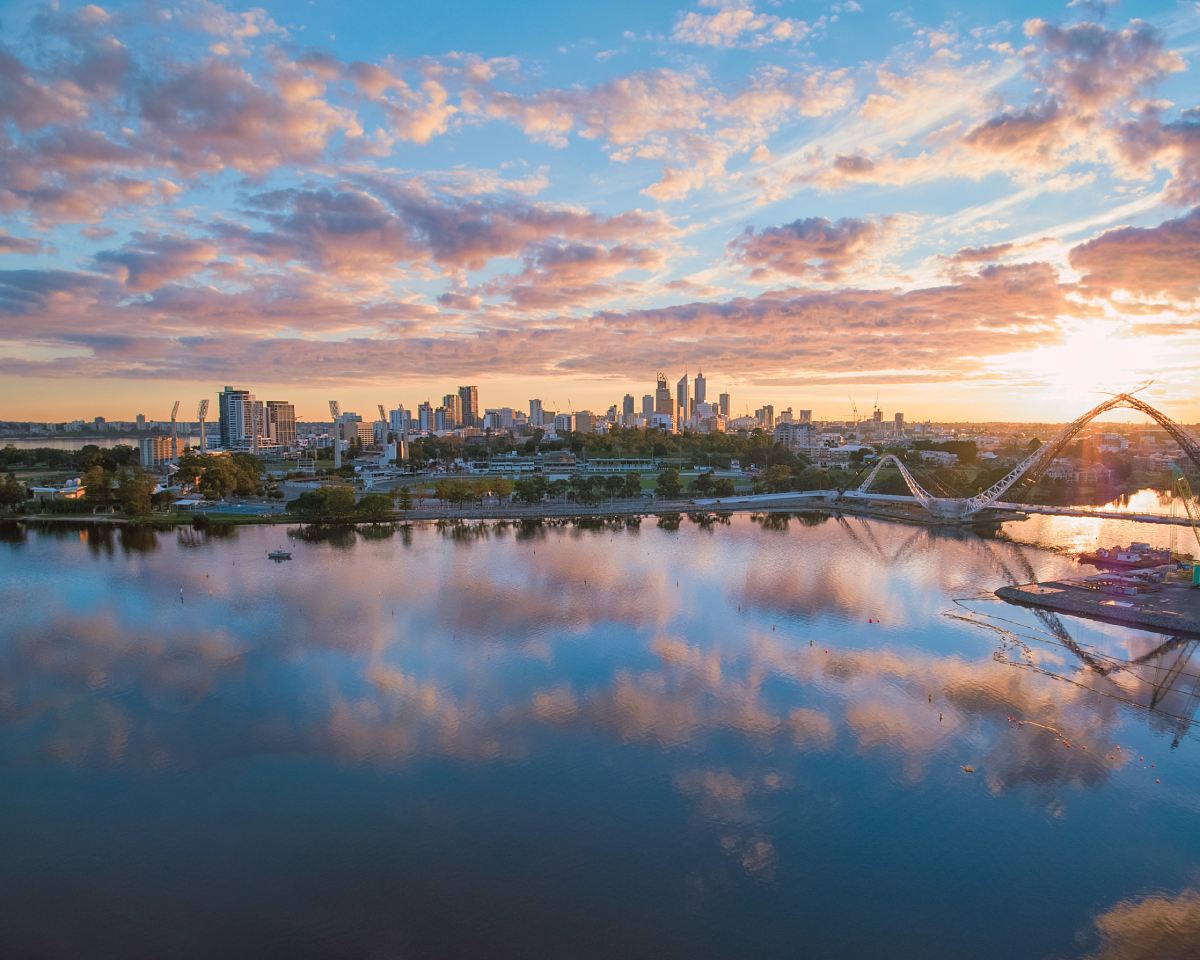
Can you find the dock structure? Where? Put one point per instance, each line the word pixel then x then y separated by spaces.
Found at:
pixel 1174 608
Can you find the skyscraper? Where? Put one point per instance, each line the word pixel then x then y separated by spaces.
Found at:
pixel 454 409
pixel 469 410
pixel 898 423
pixel 425 416
pixel 536 416
pixel 681 400
pixel 700 388
pixel 647 405
pixel 281 422
pixel 806 416
pixel 723 402
pixel 231 406
pixel 662 396
pixel 627 406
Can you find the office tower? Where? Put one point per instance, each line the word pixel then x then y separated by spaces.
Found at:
pixel 806 416
pixel 611 414
pixel 627 406
pixel 877 416
pixel 898 423
pixel 766 416
pixel 681 400
pixel 256 423
pixel 536 415
pixel 397 422
pixel 469 409
pixel 231 407
pixel 141 421
pixel 443 419
pixel 425 416
pixel 785 415
pixel 647 405
pixel 281 422
pixel 585 421
pixel 700 388
pixel 454 408
pixel 662 396
pixel 723 404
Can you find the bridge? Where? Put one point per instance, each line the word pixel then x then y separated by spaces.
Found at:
pixel 1024 475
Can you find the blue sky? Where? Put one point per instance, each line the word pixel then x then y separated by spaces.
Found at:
pixel 972 213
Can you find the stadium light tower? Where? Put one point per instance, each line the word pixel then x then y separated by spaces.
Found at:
pixel 202 416
pixel 174 431
pixel 335 410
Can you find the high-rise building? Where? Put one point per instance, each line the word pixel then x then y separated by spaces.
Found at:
pixel 627 406
pixel 141 421
pixel 723 404
pixel 662 396
pixel 898 423
pixel 647 405
pixel 700 388
pixel 563 423
pixel 785 415
pixel 877 416
pixel 399 422
pixel 585 421
pixel 156 451
pixel 765 415
pixel 443 419
pixel 454 407
pixel 469 408
pixel 236 417
pixel 281 422
pixel 536 416
pixel 682 404
pixel 425 416
pixel 806 416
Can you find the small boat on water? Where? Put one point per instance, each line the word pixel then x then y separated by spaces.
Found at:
pixel 279 555
pixel 1133 556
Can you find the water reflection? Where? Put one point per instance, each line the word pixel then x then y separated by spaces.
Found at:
pixel 767 682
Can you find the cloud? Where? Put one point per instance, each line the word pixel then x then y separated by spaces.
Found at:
pixel 1149 928
pixel 1144 261
pixel 812 248
pixel 737 24
pixel 11 244
pixel 151 260
pixel 213 114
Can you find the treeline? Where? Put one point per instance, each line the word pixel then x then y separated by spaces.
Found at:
pixel 218 477
pixel 128 489
pixel 757 448
pixel 336 504
pixel 50 458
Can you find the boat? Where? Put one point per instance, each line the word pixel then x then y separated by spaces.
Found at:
pixel 1134 556
pixel 279 554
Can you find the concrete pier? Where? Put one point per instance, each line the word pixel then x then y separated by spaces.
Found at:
pixel 1174 610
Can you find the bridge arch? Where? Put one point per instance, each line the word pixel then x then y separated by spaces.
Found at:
pixel 1033 467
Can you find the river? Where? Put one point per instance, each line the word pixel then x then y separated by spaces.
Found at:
pixel 697 738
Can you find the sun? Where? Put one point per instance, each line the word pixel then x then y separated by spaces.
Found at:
pixel 1093 359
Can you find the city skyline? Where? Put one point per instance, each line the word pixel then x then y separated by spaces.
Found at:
pixel 971 216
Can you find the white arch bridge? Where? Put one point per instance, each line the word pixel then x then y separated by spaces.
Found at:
pixel 1028 471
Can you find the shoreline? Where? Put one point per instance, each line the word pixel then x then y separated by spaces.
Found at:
pixel 544 511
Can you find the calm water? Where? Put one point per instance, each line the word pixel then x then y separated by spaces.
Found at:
pixel 739 739
pixel 78 443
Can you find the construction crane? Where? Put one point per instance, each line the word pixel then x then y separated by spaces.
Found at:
pixel 335 411
pixel 1183 490
pixel 854 407
pixel 202 416
pixel 174 431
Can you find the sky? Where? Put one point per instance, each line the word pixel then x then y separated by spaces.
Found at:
pixel 986 212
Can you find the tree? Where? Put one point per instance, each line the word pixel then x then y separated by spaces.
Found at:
pixel 375 507
pixel 723 487
pixel 632 486
pixel 614 486
pixel 12 494
pixel 777 479
pixel 97 483
pixel 702 485
pixel 404 498
pixel 134 489
pixel 325 503
pixel 502 488
pixel 668 486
